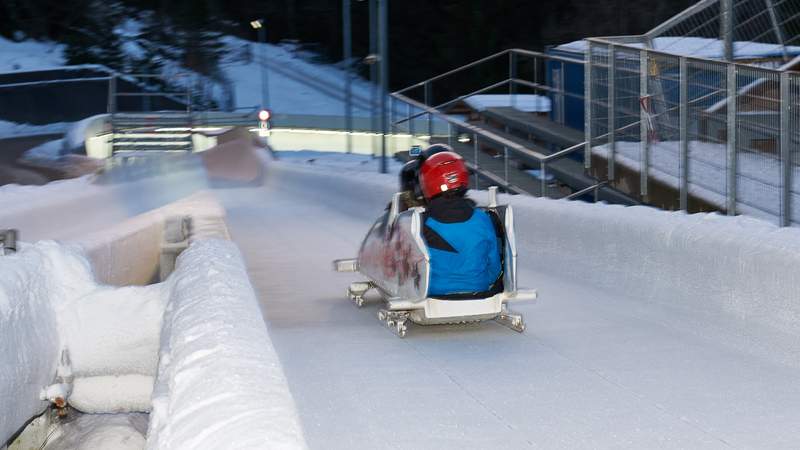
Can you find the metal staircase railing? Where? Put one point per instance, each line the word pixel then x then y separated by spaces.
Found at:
pixel 436 120
pixel 141 130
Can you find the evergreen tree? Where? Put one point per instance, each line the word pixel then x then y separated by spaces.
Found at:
pixel 94 38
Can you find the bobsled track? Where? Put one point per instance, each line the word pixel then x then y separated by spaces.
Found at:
pixel 601 365
pixel 594 369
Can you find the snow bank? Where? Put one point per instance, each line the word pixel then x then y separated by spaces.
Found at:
pixel 113 330
pixel 31 281
pixel 48 151
pixel 8 129
pixel 109 394
pixel 219 382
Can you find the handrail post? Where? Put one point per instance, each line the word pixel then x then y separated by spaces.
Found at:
pixel 449 134
pixel 410 110
pixel 612 112
pixel 562 79
pixel 428 100
pixel 393 126
pixel 587 106
pixel 786 154
pixel 512 75
pixel 112 93
pixel 731 144
pixel 644 131
pixel 477 166
pixel 684 134
pixel 543 175
pixel 383 46
pixel 505 163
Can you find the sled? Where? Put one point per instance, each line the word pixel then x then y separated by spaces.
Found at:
pixel 395 261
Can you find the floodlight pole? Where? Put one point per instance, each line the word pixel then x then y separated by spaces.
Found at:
pixel 726 28
pixel 347 50
pixel 261 26
pixel 383 28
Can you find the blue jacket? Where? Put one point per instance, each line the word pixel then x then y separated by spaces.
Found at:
pixel 464 248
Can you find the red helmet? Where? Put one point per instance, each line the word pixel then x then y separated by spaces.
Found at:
pixel 443 172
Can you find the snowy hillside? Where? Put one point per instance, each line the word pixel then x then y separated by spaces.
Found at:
pixel 29 55
pixel 290 80
pixel 296 85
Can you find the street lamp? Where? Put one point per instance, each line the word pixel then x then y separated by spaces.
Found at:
pixel 260 26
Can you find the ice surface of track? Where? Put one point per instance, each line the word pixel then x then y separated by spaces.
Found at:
pixel 594 369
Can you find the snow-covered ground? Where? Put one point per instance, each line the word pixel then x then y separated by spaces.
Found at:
pixel 356 165
pixel 523 102
pixel 30 55
pixel 289 76
pixel 10 129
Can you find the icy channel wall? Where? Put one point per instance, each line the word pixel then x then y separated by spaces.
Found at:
pixel 219 381
pixel 128 253
pixel 707 263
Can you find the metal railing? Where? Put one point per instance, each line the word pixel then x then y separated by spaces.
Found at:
pixel 716 135
pixel 527 71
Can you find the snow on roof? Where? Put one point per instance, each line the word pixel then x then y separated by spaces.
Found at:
pixel 525 102
pixel 702 47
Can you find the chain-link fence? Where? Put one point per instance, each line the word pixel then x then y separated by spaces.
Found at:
pixel 694 134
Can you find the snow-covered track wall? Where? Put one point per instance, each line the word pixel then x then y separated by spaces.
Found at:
pixel 708 265
pixel 218 378
pixel 219 382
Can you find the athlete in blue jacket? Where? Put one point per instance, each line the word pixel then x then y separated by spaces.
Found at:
pixel 464 242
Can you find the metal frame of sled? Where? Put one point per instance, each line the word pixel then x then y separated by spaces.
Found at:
pixel 405 291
